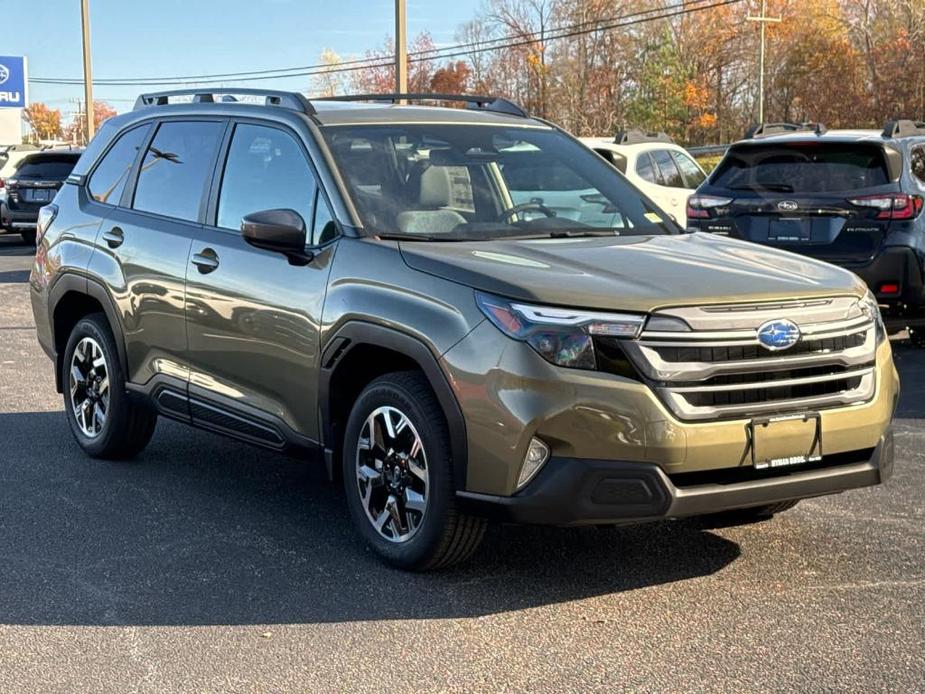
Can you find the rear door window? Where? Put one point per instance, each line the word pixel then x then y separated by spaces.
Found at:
pixel 670 174
pixel 644 168
pixel 803 167
pixel 47 167
pixel 177 167
pixel 265 170
pixel 693 176
pixel 108 179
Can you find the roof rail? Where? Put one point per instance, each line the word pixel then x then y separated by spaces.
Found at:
pixel 903 128
pixel 635 136
pixel 290 100
pixel 765 129
pixel 475 101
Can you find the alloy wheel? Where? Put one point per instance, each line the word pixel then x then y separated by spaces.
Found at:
pixel 392 474
pixel 89 386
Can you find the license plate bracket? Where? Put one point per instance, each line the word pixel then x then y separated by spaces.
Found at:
pixel 771 440
pixel 790 229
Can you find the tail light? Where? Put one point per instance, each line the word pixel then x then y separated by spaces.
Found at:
pixel 893 206
pixel 47 215
pixel 2 183
pixel 699 206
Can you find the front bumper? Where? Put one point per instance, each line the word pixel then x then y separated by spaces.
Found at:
pixel 570 491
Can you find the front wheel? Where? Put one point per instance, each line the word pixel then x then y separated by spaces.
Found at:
pixel 102 417
pixel 398 476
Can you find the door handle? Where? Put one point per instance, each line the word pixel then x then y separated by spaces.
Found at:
pixel 205 261
pixel 114 238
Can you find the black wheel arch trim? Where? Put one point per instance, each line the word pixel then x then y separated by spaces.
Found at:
pixel 71 282
pixel 355 333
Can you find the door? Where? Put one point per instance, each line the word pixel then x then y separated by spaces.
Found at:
pixel 252 317
pixel 144 242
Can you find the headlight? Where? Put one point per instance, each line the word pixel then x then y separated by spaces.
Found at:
pixel 561 336
pixel 871 309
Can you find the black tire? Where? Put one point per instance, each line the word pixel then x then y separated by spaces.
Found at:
pixel 129 425
pixel 29 236
pixel 444 536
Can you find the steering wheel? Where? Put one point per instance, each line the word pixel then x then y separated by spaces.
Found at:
pixel 524 207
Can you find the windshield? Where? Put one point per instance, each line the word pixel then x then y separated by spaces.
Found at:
pixel 474 182
pixel 802 167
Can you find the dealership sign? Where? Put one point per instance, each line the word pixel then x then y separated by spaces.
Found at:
pixel 12 82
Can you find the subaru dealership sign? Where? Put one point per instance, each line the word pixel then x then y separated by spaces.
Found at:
pixel 13 82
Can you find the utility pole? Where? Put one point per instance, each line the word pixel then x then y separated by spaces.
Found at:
pixel 88 77
pixel 762 20
pixel 401 47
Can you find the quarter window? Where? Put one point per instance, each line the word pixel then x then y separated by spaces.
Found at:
pixel 917 164
pixel 265 170
pixel 108 180
pixel 324 227
pixel 176 168
pixel 693 175
pixel 671 177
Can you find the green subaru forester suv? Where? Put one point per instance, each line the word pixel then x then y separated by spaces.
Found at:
pixel 464 312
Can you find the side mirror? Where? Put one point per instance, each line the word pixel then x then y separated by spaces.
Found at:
pixel 282 231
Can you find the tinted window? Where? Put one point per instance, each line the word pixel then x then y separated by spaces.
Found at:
pixel 324 229
pixel 617 160
pixel 108 180
pixel 534 173
pixel 802 167
pixel 644 168
pixel 670 175
pixel 917 163
pixel 265 170
pixel 47 167
pixel 176 168
pixel 693 176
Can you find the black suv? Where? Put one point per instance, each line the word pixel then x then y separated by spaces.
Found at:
pixel 850 197
pixel 33 185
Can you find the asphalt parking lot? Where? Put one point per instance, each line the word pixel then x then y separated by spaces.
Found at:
pixel 209 565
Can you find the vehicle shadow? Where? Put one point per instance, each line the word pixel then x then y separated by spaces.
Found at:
pixel 14 276
pixel 200 530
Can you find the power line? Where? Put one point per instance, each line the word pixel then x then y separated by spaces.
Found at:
pixel 456 50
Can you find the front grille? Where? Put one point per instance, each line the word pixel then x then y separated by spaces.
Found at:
pixel 719 370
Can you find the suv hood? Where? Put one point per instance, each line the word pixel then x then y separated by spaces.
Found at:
pixel 632 273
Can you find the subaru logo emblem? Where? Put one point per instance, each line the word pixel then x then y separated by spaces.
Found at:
pixel 776 335
pixel 4 73
pixel 787 206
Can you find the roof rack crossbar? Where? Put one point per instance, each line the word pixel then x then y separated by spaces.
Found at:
pixel 290 100
pixel 764 129
pixel 496 104
pixel 635 136
pixel 903 128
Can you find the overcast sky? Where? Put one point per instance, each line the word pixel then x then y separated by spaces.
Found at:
pixel 138 38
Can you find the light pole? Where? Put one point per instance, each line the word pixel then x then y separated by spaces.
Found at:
pixel 401 47
pixel 762 20
pixel 88 77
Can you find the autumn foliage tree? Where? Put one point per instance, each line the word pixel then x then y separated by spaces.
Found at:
pixel 44 122
pixel 694 74
pixel 76 129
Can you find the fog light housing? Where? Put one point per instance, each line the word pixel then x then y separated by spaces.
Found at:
pixel 536 457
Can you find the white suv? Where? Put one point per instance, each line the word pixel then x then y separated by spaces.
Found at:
pixel 662 170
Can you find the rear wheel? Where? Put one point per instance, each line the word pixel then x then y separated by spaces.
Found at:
pixel 102 417
pixel 398 476
pixel 29 237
